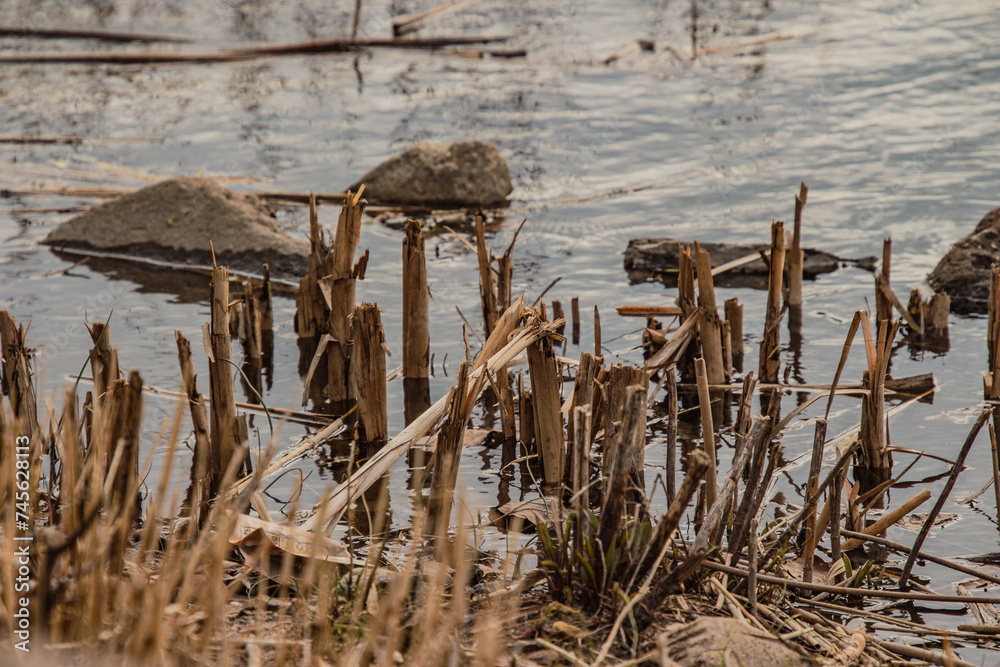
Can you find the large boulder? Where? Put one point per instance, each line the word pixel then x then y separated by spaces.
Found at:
pixel 964 272
pixel 464 174
pixel 174 221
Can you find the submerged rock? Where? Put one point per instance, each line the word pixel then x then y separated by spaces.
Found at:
pixel 657 259
pixel 710 641
pixel 174 221
pixel 464 174
pixel 964 272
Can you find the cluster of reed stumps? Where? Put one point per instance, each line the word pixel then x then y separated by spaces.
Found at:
pixel 113 573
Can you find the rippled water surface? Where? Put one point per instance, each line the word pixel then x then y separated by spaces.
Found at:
pixel 887 110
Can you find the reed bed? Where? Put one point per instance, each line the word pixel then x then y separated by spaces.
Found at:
pixel 127 568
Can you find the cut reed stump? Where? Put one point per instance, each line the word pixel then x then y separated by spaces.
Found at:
pixel 416 324
pixel 344 273
pixel 224 428
pixel 770 345
pixel 196 504
pixel 709 325
pixel 448 453
pixel 546 404
pixel 794 258
pixel 368 374
pixel 874 466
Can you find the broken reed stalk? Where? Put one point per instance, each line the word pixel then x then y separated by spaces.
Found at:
pixel 547 415
pixel 494 354
pixel 16 366
pixel 368 374
pixel 883 303
pixel 888 519
pixel 197 502
pixel 584 395
pixel 707 431
pixel 416 313
pixel 709 325
pixel 874 459
pixel 597 333
pixel 580 473
pixel 575 312
pixel 689 309
pixel 949 485
pixel 770 345
pixel 734 318
pixel 993 337
pixel 487 282
pixel 794 260
pixel 714 516
pixel 339 285
pixel 811 537
pixel 670 381
pixel 224 431
pixel 448 453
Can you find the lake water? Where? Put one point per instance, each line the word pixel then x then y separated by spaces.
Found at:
pixel 886 109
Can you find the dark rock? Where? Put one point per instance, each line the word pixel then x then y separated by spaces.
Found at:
pixel 174 221
pixel 964 272
pixel 464 174
pixel 657 259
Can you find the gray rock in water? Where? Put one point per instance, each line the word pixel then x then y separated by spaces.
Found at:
pixel 174 221
pixel 964 272
pixel 464 174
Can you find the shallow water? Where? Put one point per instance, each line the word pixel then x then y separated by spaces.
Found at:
pixel 887 110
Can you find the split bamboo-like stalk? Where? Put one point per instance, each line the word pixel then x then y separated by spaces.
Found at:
pixel 224 433
pixel 883 304
pixel 686 302
pixel 794 260
pixel 812 486
pixel 448 453
pixel 707 431
pixel 198 499
pixel 344 274
pixel 368 374
pixel 710 327
pixel 770 346
pixel 416 297
pixel 546 403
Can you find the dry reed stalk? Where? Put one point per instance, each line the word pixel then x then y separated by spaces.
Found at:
pixel 487 281
pixel 548 424
pixel 580 472
pixel 883 303
pixel 993 337
pixel 715 515
pixel 341 280
pixel 770 345
pixel 670 381
pixel 673 351
pixel 812 484
pixel 889 519
pixel 575 312
pixel 416 313
pixel 16 368
pixel 597 333
pixel 688 305
pixel 794 258
pixel 557 314
pixel 448 453
pixel 707 431
pixel 584 395
pixel 709 325
pixel 368 374
pixel 224 430
pixel 196 504
pixel 949 485
pixel 874 459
